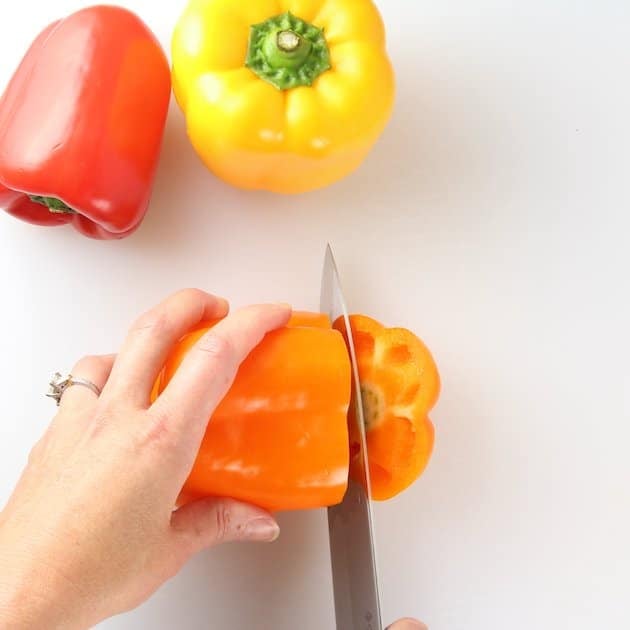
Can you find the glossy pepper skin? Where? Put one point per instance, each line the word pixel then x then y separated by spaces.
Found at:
pixel 400 384
pixel 282 95
pixel 81 124
pixel 279 438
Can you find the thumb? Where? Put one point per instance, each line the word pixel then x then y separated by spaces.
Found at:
pixel 212 521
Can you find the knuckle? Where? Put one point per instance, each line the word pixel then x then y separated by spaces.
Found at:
pixel 219 347
pixel 188 294
pixel 156 432
pixel 108 408
pixel 223 521
pixel 159 320
pixel 187 300
pixel 104 416
pixel 154 322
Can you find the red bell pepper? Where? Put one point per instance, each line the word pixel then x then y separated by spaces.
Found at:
pixel 81 124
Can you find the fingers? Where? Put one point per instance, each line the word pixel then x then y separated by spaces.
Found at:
pixel 408 624
pixel 95 369
pixel 208 370
pixel 150 339
pixel 208 522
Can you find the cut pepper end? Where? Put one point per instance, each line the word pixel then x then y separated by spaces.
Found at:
pixel 399 385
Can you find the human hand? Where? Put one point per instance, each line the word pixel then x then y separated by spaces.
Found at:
pixel 408 624
pixel 90 530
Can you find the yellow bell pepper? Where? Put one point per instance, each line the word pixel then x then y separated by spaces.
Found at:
pixel 282 95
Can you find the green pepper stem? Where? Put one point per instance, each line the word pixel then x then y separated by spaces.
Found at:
pixel 56 206
pixel 289 42
pixel 287 51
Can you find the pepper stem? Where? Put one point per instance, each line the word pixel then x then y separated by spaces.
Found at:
pixel 56 206
pixel 288 41
pixel 287 51
pixel 373 405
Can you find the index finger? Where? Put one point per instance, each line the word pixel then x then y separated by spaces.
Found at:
pixel 208 370
pixel 150 339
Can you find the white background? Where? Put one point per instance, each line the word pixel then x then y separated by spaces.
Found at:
pixel 492 218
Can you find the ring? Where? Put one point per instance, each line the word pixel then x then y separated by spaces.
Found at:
pixel 59 384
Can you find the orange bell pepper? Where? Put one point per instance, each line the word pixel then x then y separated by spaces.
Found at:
pixel 399 386
pixel 310 319
pixel 279 438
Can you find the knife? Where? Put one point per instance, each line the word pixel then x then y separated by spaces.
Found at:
pixel 350 523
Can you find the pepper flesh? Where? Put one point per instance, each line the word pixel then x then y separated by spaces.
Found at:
pixel 254 135
pixel 400 384
pixel 81 121
pixel 279 438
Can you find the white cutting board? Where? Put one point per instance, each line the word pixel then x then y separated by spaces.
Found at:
pixel 493 219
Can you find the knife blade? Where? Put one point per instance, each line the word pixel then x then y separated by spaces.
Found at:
pixel 350 523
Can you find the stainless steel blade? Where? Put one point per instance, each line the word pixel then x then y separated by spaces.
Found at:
pixel 355 584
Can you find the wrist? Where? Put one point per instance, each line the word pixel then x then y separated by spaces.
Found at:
pixel 34 596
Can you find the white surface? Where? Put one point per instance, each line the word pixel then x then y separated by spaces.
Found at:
pixel 493 219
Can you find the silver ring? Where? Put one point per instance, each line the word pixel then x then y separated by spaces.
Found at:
pixel 59 384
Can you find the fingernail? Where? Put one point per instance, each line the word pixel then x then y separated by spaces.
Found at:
pixel 261 529
pixel 284 305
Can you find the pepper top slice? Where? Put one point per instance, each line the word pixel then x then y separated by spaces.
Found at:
pixel 400 384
